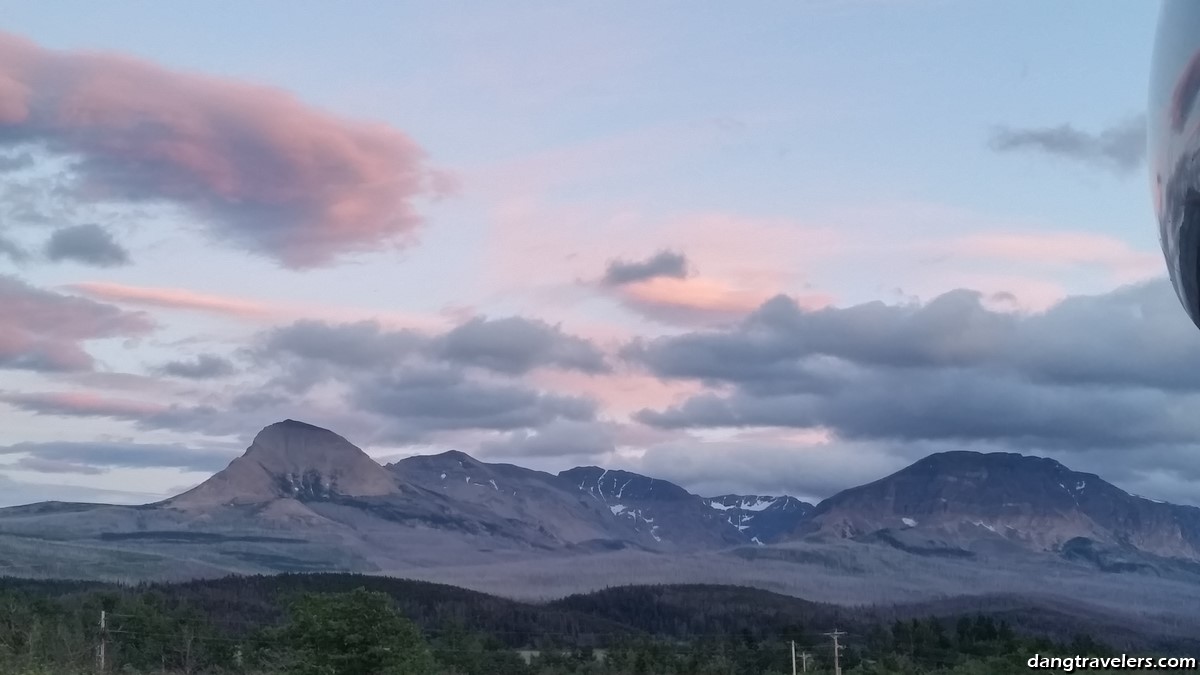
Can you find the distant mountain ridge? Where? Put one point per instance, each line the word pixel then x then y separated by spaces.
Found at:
pixel 302 498
pixel 965 498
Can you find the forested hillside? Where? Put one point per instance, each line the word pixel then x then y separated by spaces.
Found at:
pixel 349 624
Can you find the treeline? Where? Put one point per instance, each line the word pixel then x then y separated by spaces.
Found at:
pixel 333 624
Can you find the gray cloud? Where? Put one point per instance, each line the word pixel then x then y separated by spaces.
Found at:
pixel 203 367
pixel 1121 147
pixel 79 405
pixel 558 438
pixel 956 404
pixel 661 264
pixel 1098 382
pixel 1135 336
pixel 516 346
pixel 352 345
pixel 89 244
pixel 407 404
pixel 392 385
pixel 512 346
pixel 418 400
pixel 57 457
pixel 1092 372
pixel 43 331
pixel 238 415
pixel 259 168
pixel 243 415
pixel 43 465
pixel 12 250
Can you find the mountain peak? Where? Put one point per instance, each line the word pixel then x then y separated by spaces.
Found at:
pixel 291 442
pixel 295 424
pixel 458 456
pixel 292 459
pixel 962 478
pixel 450 460
pixel 966 458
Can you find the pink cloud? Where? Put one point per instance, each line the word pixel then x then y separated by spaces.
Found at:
pixel 261 169
pixel 176 298
pixel 701 294
pixel 701 300
pixel 79 404
pixel 734 263
pixel 619 393
pixel 42 330
pixel 247 308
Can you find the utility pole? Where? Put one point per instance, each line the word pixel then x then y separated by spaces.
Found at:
pixel 103 640
pixel 804 657
pixel 837 650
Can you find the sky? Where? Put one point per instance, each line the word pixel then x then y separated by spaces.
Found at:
pixel 775 247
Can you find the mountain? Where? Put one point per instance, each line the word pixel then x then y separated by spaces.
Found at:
pixel 666 511
pixel 303 498
pixel 763 519
pixel 968 499
pixel 517 496
pixel 292 460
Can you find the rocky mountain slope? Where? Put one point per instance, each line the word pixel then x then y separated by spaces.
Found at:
pixel 514 494
pixel 970 500
pixel 764 519
pixel 291 460
pixel 666 511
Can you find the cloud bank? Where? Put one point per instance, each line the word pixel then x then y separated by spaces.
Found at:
pixel 1091 372
pixel 259 168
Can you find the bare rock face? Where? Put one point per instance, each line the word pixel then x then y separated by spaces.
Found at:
pixel 292 460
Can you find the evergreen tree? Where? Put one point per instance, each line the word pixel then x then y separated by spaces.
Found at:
pixel 356 633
